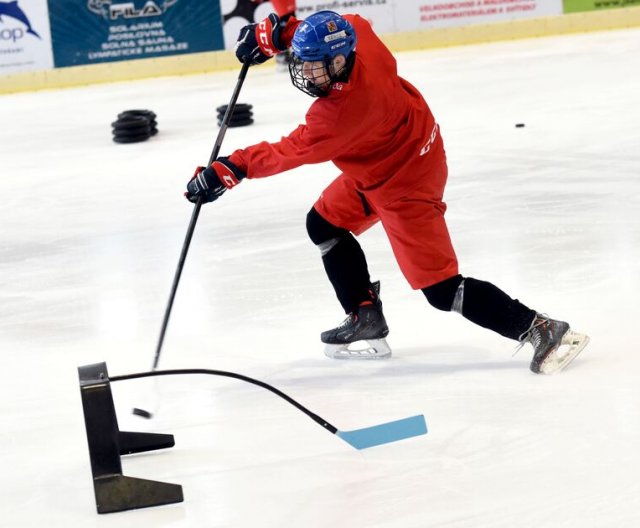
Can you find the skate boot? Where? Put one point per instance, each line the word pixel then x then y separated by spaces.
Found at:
pixel 366 324
pixel 554 344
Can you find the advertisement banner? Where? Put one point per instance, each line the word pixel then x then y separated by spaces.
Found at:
pixel 25 38
pixel 238 13
pixel 393 16
pixel 95 31
pixel 380 13
pixel 427 14
pixel 573 6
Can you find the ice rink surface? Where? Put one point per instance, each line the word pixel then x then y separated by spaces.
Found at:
pixel 91 234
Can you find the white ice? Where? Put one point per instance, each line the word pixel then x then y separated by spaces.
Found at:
pixel 91 234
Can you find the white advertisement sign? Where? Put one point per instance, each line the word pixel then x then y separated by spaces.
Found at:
pixel 392 16
pixel 427 14
pixel 380 13
pixel 25 37
pixel 238 13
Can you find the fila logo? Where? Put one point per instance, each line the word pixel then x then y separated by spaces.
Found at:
pixel 112 11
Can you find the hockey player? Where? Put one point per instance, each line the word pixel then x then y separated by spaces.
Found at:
pixel 378 130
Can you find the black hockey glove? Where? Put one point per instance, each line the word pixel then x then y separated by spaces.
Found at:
pixel 257 43
pixel 210 183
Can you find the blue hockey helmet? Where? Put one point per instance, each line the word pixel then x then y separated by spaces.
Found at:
pixel 320 39
pixel 322 36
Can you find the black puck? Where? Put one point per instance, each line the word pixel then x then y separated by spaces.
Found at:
pixel 131 139
pixel 142 413
pixel 519 125
pixel 133 126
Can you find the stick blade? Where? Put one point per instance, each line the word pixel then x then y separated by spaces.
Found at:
pixel 385 433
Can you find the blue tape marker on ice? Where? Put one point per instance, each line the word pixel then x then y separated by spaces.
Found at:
pixel 385 433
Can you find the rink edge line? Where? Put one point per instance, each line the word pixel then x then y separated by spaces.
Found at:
pixel 198 63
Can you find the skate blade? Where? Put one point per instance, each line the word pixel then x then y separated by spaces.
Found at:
pixel 376 349
pixel 562 356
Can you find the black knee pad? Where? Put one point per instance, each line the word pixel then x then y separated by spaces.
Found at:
pixel 441 294
pixel 319 230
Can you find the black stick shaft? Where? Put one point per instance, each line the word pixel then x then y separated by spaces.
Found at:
pixel 227 115
pixel 196 212
pixel 227 374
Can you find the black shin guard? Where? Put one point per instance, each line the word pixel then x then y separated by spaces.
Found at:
pixel 442 294
pixel 483 304
pixel 343 260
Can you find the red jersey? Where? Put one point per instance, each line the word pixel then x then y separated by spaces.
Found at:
pixel 376 128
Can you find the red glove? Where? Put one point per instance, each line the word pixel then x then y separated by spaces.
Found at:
pixel 268 35
pixel 210 183
pixel 259 42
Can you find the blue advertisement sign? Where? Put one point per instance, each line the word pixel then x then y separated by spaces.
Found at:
pixel 94 31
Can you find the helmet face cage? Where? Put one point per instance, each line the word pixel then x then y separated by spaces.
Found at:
pixel 304 83
pixel 318 40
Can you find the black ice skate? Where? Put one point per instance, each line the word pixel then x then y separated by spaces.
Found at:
pixel 554 344
pixel 367 324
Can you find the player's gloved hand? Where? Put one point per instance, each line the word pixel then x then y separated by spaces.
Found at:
pixel 259 42
pixel 211 182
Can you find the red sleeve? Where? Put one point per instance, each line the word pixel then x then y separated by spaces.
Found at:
pixel 322 138
pixel 289 29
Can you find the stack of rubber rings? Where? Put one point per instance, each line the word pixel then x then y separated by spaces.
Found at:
pixel 242 115
pixel 133 126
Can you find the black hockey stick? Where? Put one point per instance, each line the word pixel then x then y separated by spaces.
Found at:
pixel 358 438
pixel 196 211
pixel 192 225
